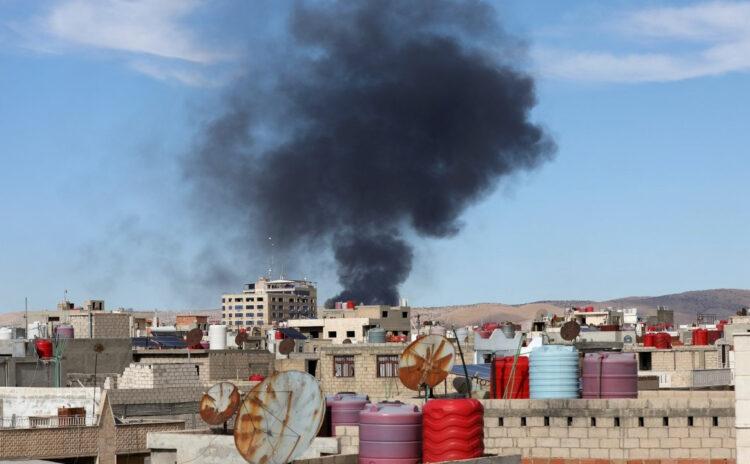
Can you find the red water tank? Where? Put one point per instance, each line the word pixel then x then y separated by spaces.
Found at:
pixel 278 335
pixel 517 386
pixel 350 304
pixel 700 337
pixel 720 325
pixel 43 348
pixel 713 335
pixel 452 430
pixel 649 339
pixel 663 341
pixel 490 326
pixel 256 378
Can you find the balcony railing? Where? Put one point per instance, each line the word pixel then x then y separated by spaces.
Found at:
pixel 45 422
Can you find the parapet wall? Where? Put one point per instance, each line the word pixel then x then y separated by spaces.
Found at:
pixel 139 375
pixel 652 430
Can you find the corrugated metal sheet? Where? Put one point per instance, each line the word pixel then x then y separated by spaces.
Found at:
pixel 712 378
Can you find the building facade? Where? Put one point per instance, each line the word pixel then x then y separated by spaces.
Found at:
pixel 266 302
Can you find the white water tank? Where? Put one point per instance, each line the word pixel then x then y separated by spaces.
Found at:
pixel 217 337
pixel 6 333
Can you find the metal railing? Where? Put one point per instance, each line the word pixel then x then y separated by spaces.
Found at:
pixel 45 422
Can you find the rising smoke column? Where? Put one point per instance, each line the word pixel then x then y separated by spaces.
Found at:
pixel 384 117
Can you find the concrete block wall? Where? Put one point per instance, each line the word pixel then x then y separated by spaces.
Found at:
pixel 139 375
pixel 742 394
pixel 104 325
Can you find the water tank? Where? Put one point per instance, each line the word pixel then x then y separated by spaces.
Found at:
pixel 345 410
pixel 390 433
pixel 649 339
pixel 700 337
pixel 509 331
pixel 462 334
pixel 490 326
pixel 553 372
pixel 452 430
pixel 43 348
pixel 610 375
pixel 663 341
pixel 713 335
pixel 437 330
pixel 217 337
pixel 505 377
pixel 6 333
pixel 256 378
pixel 64 332
pixel 376 335
pixel 278 335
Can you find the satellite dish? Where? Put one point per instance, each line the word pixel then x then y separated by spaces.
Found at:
pixel 286 346
pixel 279 418
pixel 570 330
pixel 219 403
pixel 426 361
pixel 460 384
pixel 241 339
pixel 193 337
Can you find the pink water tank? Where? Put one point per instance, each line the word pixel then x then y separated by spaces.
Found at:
pixel 345 410
pixel 390 433
pixel 610 375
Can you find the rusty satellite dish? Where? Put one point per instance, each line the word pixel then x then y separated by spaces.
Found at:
pixel 426 361
pixel 241 339
pixel 286 346
pixel 193 337
pixel 570 330
pixel 279 418
pixel 219 403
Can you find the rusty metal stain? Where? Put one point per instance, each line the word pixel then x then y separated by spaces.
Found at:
pixel 426 361
pixel 219 403
pixel 279 418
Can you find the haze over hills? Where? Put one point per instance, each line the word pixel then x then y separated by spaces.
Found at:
pixel 686 305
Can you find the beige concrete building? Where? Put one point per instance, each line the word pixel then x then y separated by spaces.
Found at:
pixel 266 302
pixel 370 369
pixel 680 366
pixel 395 319
pixel 337 330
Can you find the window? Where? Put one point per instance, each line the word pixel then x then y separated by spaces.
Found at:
pixel 249 323
pixel 237 314
pixel 644 361
pixel 259 307
pixel 343 366
pixel 349 334
pixel 238 323
pixel 384 314
pixel 238 307
pixel 388 365
pixel 259 314
pixel 404 314
pixel 248 306
pixel 331 334
pixel 260 298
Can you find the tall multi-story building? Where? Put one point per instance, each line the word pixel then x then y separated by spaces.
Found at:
pixel 269 301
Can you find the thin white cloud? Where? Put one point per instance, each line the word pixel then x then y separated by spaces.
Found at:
pixel 699 40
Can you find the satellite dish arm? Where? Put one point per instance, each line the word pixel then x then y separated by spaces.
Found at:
pixel 463 363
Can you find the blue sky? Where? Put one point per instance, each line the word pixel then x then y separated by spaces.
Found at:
pixel 649 104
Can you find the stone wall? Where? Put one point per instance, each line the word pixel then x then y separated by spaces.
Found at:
pixel 239 364
pixel 104 325
pixel 697 429
pixel 140 375
pixel 365 379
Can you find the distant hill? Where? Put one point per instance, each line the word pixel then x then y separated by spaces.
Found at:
pixel 686 305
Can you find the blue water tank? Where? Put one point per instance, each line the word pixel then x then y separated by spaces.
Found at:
pixel 376 335
pixel 553 372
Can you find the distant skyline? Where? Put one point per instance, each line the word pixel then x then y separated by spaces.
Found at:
pixel 648 103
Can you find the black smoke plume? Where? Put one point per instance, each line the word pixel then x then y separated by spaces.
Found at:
pixel 383 117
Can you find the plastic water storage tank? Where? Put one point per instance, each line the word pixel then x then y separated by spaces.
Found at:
pixel 700 337
pixel 517 386
pixel 663 341
pixel 64 332
pixel 509 331
pixel 610 375
pixel 6 333
pixel 437 330
pixel 376 335
pixel 553 372
pixel 345 410
pixel 217 337
pixel 649 339
pixel 462 334
pixel 325 429
pixel 452 430
pixel 43 348
pixel 390 433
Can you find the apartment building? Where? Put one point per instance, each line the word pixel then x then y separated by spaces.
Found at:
pixel 266 302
